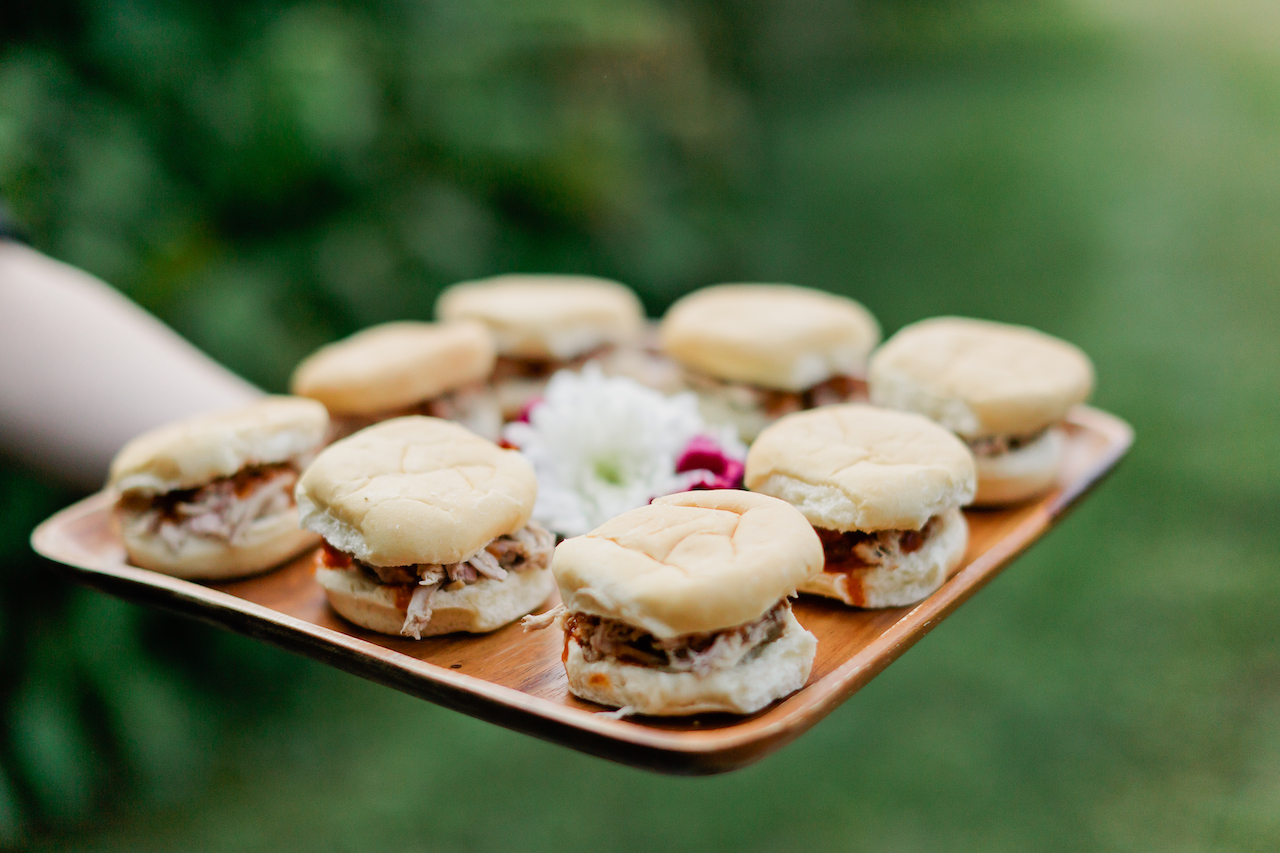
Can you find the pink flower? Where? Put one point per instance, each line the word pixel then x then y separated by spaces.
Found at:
pixel 526 411
pixel 716 469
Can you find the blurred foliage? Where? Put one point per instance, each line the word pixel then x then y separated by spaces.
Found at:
pixel 268 176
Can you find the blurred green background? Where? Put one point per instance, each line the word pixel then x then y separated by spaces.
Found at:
pixel 267 176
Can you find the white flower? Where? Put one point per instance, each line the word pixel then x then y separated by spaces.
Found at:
pixel 602 446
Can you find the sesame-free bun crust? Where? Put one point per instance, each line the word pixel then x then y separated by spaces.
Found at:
pixel 690 562
pixel 980 378
pixel 858 467
pixel 547 316
pixel 415 490
pixel 913 579
pixel 476 608
pixel 194 451
pixel 395 365
pixel 265 543
pixel 1019 474
pixel 772 335
pixel 782 667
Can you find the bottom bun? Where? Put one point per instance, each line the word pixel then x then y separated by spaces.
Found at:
pixel 1020 474
pixel 782 667
pixel 514 394
pixel 266 543
pixel 913 579
pixel 476 608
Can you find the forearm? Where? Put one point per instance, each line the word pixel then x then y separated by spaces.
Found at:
pixel 83 369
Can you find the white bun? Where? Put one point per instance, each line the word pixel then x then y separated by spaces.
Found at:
pixel 514 393
pixel 394 366
pixel 547 316
pixel 476 608
pixel 913 579
pixel 771 335
pixel 415 490
pixel 733 406
pixel 265 543
pixel 192 452
pixel 857 467
pixel 980 378
pixel 1020 474
pixel 691 562
pixel 782 667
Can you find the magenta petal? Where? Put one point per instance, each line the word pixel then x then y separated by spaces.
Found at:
pixel 702 453
pixel 731 476
pixel 527 410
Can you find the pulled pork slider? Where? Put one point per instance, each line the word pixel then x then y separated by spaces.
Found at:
pixel 1003 389
pixel 405 368
pixel 426 529
pixel 680 607
pixel 884 491
pixel 211 497
pixel 545 323
pixel 755 352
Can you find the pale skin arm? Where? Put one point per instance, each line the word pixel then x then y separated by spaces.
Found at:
pixel 83 369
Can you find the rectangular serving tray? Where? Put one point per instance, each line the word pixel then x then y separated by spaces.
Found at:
pixel 516 679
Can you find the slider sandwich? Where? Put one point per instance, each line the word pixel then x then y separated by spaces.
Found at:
pixel 211 497
pixel 545 323
pixel 1003 389
pixel 681 607
pixel 755 352
pixel 426 529
pixel 883 490
pixel 405 368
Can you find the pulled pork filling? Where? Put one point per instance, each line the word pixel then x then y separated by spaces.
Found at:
pixel 459 404
pixel 530 547
pixel 853 550
pixel 776 403
pixel 702 653
pixel 224 509
pixel 511 367
pixel 995 445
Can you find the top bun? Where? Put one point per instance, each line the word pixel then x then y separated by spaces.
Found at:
pixel 980 378
pixel 394 366
pixel 690 562
pixel 772 335
pixel 193 451
pixel 856 467
pixel 415 490
pixel 547 316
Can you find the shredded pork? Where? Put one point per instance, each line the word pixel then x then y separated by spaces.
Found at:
pixel 700 653
pixel 530 547
pixel 510 367
pixel 775 403
pixel 995 445
pixel 471 405
pixel 225 509
pixel 849 551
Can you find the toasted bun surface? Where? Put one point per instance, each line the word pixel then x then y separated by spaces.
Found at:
pixel 857 467
pixel 394 366
pixel 1020 474
pixel 415 490
pixel 268 542
pixel 913 579
pixel 695 561
pixel 782 667
pixel 980 378
pixel 772 335
pixel 195 451
pixel 547 316
pixel 482 606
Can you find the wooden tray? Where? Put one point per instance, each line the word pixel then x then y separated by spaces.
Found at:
pixel 516 679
